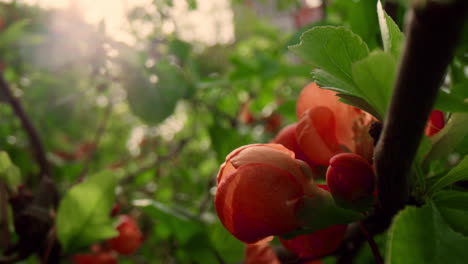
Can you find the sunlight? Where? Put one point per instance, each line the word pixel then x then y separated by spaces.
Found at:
pixel 210 23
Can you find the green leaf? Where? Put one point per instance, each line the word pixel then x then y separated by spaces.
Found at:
pixel 332 49
pixel 459 173
pixel 15 31
pixel 321 204
pixel 153 98
pixel 448 102
pixel 182 224
pixel 227 246
pixel 392 37
pixel 219 134
pixel 362 18
pixel 420 235
pixel 453 206
pixel 9 173
pixel 359 103
pixel 83 216
pixel 375 76
pixel 445 141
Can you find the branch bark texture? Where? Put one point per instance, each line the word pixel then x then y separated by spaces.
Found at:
pixel 29 128
pixel 432 36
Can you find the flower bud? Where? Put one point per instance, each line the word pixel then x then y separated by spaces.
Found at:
pixel 317 244
pixel 351 180
pixel 259 188
pixel 130 237
pixel 287 138
pixel 435 123
pixel 344 117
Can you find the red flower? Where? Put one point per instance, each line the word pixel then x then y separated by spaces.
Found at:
pixel 287 138
pixel 351 180
pixel 259 189
pixel 95 258
pixel 317 244
pixel 328 127
pixel 130 237
pixel 260 253
pixel 435 123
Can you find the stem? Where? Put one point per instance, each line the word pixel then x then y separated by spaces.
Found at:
pixel 428 50
pixel 34 138
pixel 4 216
pixel 372 244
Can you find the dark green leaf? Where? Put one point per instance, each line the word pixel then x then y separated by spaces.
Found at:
pixel 153 98
pixel 420 235
pixel 453 206
pixel 332 49
pixel 182 224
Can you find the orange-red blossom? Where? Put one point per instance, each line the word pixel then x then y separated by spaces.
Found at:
pixel 259 189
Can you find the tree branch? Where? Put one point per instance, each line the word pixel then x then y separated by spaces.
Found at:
pixel 30 130
pixel 432 36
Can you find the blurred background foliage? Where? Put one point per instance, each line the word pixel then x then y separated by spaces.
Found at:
pixel 163 111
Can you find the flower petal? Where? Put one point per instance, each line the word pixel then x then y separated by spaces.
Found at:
pixel 257 201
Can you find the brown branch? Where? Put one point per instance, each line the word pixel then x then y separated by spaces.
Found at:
pixel 4 216
pixel 432 33
pixel 391 8
pixel 375 250
pixel 29 128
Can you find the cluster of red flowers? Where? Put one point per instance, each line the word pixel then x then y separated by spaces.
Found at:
pixel 262 189
pixel 126 243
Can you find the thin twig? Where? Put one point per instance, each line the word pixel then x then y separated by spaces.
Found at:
pixel 375 250
pixel 130 177
pixel 4 216
pixel 428 50
pixel 29 128
pixel 97 139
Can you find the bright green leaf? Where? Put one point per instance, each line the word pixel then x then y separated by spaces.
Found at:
pixel 445 141
pixel 459 173
pixel 420 235
pixel 83 216
pixel 392 37
pixel 332 49
pixel 9 173
pixel 374 77
pixel 453 206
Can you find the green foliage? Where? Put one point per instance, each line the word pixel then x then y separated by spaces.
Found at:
pixel 459 173
pixel 392 37
pixel 425 227
pixel 9 173
pixel 83 216
pixel 452 206
pixel 153 98
pixel 375 76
